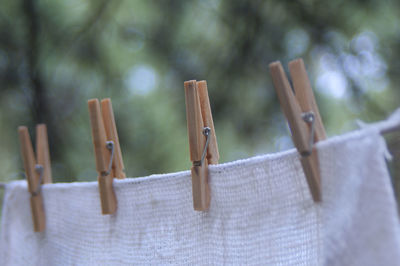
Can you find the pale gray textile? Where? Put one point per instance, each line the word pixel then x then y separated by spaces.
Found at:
pixel 261 213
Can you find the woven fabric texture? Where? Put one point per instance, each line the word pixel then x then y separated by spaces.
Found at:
pixel 261 213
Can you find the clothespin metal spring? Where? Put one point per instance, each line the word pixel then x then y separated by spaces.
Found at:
pixel 109 146
pixel 206 132
pixel 40 170
pixel 309 118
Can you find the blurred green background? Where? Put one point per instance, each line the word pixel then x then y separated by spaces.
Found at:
pixel 57 54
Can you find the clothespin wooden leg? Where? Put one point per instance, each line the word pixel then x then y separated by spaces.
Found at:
pixel 305 98
pixel 32 176
pixel 294 108
pixel 111 133
pixel 312 172
pixel 289 106
pixel 102 155
pixel 42 152
pixel 212 151
pixel 200 187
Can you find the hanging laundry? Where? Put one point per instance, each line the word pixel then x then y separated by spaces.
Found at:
pixel 261 213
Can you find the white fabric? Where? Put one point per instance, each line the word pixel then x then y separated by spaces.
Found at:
pixel 261 213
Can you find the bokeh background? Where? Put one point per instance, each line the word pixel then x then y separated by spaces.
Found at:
pixel 57 54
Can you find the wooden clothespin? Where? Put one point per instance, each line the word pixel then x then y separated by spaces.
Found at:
pixel 107 151
pixel 303 116
pixel 37 172
pixel 202 140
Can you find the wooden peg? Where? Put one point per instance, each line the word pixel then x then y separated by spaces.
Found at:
pixel 102 155
pixel 212 151
pixel 200 187
pixel 33 178
pixel 42 152
pixel 293 107
pixel 111 133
